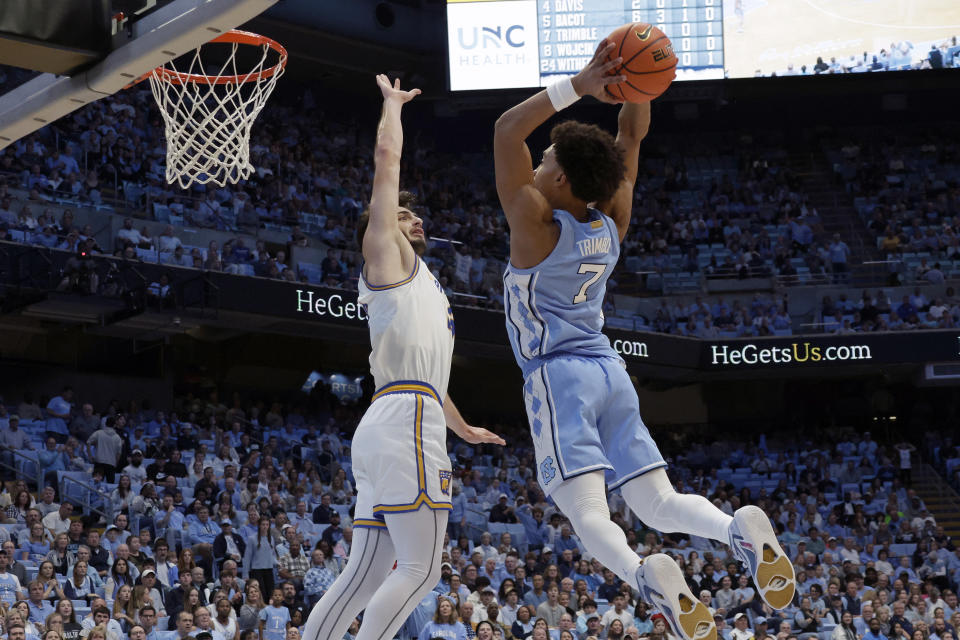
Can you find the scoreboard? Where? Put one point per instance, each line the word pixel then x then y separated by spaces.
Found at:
pixel 531 43
pixel 504 44
pixel 569 31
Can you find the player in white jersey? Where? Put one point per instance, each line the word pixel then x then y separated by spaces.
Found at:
pixel 403 475
pixel 567 219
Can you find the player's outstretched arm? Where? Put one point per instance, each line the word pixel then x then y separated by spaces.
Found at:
pixel 633 124
pixel 387 256
pixel 473 435
pixel 526 209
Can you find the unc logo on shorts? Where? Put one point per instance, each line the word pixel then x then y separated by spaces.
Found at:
pixel 445 477
pixel 547 471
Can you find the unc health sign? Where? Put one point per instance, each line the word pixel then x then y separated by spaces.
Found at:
pixel 493 44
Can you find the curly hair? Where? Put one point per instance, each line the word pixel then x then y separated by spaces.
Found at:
pixel 591 159
pixel 407 200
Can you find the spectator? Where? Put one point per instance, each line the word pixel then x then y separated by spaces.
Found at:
pixel 168 242
pixel 874 632
pixel 184 626
pixel 180 258
pixel 13 439
pixel 260 556
pixel 228 545
pixel 293 565
pixel 58 414
pixel 740 630
pixel 160 293
pixel 106 445
pixel 318 578
pixel 501 512
pixel 128 234
pixel 58 521
pixel 274 618
pixel 249 617
pixel 85 423
pixel 617 612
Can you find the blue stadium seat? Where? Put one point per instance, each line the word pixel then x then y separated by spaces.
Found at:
pixel 903 549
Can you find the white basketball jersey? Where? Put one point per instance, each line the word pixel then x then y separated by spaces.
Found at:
pixel 411 330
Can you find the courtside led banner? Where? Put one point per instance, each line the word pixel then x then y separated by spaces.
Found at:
pixel 662 350
pixel 483 333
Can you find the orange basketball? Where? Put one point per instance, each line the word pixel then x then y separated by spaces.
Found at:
pixel 648 62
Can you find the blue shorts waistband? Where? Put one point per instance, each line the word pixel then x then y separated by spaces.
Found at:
pixel 533 364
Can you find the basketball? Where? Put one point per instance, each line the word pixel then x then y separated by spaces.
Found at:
pixel 648 62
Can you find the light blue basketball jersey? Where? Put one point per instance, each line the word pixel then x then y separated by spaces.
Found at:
pixel 581 404
pixel 556 307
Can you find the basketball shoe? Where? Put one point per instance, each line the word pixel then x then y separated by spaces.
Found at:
pixel 754 543
pixel 661 583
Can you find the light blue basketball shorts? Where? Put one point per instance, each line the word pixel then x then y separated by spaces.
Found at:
pixel 584 415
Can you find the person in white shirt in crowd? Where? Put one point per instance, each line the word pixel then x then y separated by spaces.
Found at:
pixel 167 242
pixel 740 629
pixel 203 624
pixel 136 469
pixel 57 522
pixel 617 612
pixel 849 552
pixel 134 236
pixel 486 548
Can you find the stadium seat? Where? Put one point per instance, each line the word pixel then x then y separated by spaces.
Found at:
pixel 903 548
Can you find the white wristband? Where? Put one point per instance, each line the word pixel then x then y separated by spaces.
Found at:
pixel 562 94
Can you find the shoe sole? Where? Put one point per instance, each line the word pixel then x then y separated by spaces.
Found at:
pixel 661 583
pixel 772 571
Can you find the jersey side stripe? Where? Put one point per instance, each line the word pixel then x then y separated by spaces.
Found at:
pixel 423 499
pixel 522 315
pixel 544 327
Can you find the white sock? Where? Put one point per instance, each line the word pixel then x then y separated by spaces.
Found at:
pixel 653 499
pixel 583 500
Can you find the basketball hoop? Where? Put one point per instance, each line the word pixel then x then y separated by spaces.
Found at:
pixel 207 116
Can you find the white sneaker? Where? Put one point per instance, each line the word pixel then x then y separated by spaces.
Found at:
pixel 755 544
pixel 661 583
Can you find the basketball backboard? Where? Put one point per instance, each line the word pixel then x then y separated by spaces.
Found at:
pixel 114 46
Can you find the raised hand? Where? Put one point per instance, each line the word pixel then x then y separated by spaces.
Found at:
pixel 593 78
pixel 393 92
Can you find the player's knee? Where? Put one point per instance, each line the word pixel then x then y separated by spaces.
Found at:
pixel 586 506
pixel 646 497
pixel 419 571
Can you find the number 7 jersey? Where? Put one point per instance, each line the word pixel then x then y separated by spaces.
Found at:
pixel 556 307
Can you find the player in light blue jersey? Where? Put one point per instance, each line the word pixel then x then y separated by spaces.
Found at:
pixel 567 219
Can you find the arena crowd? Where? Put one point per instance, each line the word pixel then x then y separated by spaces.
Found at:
pixel 131 522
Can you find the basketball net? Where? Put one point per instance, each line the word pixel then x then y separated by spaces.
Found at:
pixel 208 112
